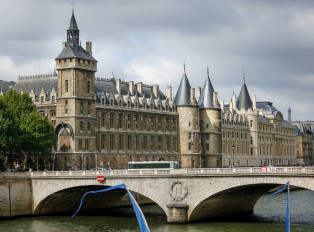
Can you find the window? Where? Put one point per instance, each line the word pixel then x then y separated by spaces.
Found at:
pixel 189 124
pixel 80 144
pixel 207 146
pixel 136 143
pixel 42 99
pixel 88 126
pixel 66 86
pixel 190 146
pixel 251 140
pixel 251 123
pixel 103 141
pixel 190 135
pixel 251 151
pixel 144 146
pixel 42 113
pixel 88 87
pixel 81 125
pixel 174 144
pixel 111 120
pixel 206 126
pixel 120 142
pixel 128 141
pixel 86 144
pixel 53 98
pixel 207 136
pixel 111 142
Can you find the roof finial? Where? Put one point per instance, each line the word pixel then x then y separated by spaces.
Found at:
pixel 243 75
pixel 72 4
pixel 207 71
pixel 184 66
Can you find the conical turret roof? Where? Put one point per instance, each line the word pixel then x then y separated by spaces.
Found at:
pixel 244 100
pixel 206 100
pixel 182 97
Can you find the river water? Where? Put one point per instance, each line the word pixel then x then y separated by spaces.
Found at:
pixel 267 217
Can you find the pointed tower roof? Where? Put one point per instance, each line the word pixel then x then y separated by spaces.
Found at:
pixel 73 25
pixel 206 100
pixel 73 48
pixel 244 99
pixel 182 97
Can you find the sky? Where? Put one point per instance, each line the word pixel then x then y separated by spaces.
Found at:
pixel 149 41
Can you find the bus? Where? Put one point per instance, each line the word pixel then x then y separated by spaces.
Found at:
pixel 153 165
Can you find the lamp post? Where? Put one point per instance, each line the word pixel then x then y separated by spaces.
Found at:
pixel 233 147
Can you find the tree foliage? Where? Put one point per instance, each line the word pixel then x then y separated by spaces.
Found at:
pixel 23 132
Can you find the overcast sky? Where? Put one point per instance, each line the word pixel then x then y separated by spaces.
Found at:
pixel 148 41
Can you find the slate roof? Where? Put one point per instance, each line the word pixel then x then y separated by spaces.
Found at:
pixel 37 84
pixel 206 100
pixel 182 97
pixel 75 52
pixel 73 25
pixel 5 85
pixel 267 108
pixel 244 99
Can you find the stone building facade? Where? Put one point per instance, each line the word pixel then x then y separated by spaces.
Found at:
pixel 109 122
pixel 304 142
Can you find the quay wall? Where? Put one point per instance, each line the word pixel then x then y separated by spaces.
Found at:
pixel 15 195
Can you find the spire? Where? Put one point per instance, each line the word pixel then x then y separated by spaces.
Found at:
pixel 206 100
pixel 182 97
pixel 244 100
pixel 243 75
pixel 73 33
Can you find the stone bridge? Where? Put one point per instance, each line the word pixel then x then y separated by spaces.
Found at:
pixel 184 195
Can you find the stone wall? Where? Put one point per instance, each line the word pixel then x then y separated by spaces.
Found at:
pixel 15 195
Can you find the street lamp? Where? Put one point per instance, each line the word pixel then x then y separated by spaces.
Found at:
pixel 233 147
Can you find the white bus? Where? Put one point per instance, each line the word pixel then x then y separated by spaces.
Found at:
pixel 153 165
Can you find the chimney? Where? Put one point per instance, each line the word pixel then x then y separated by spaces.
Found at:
pixel 64 44
pixel 199 90
pixel 234 102
pixel 215 99
pixel 89 47
pixel 118 83
pixel 222 106
pixel 131 83
pixel 254 102
pixel 192 95
pixel 169 92
pixel 139 88
pixel 155 90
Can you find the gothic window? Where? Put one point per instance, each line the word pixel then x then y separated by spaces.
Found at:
pixel 81 107
pixel 207 146
pixel 81 125
pixel 159 143
pixel 120 121
pixel 80 144
pixel 136 143
pixel 152 143
pixel 88 126
pixel 167 143
pixel 66 86
pixel 144 146
pixel 174 144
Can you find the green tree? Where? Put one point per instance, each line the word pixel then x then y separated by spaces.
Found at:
pixel 23 132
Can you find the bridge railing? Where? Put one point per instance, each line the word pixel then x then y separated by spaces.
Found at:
pixel 194 171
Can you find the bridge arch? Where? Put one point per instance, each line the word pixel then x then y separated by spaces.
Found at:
pixel 237 196
pixel 65 197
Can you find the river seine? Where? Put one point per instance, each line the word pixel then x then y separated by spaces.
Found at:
pixel 267 217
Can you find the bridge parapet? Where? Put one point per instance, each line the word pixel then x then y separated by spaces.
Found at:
pixel 195 171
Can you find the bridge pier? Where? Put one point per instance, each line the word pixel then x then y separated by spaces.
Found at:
pixel 177 213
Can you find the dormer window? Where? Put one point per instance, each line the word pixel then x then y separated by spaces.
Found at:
pixel 53 98
pixel 42 99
